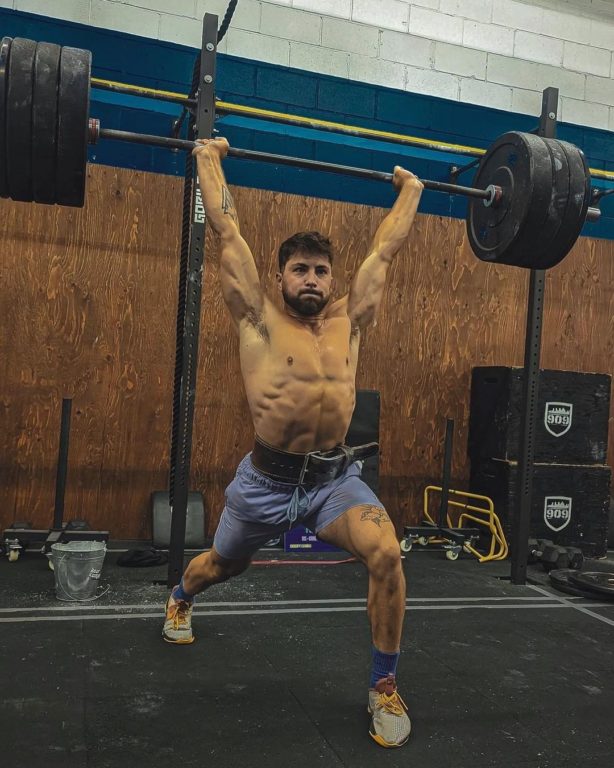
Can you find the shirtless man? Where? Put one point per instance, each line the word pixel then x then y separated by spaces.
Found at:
pixel 299 370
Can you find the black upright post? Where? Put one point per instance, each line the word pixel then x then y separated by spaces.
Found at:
pixel 62 468
pixel 188 322
pixel 532 351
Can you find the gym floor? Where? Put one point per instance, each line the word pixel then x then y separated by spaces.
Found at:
pixel 494 674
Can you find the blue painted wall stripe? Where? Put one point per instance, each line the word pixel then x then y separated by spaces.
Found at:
pixel 168 66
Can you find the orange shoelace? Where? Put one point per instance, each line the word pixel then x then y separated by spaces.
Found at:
pixel 393 703
pixel 179 613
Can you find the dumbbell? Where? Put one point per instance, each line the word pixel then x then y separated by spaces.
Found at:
pixel 536 548
pixel 554 556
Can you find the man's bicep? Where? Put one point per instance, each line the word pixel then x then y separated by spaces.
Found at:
pixel 240 280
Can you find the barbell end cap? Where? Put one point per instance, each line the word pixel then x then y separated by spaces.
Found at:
pixel 495 196
pixel 593 214
pixel 93 130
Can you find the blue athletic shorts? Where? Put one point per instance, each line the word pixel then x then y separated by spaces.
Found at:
pixel 258 509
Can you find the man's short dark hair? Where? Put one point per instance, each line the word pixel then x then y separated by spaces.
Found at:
pixel 313 243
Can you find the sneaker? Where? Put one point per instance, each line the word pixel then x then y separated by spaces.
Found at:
pixel 178 623
pixel 390 725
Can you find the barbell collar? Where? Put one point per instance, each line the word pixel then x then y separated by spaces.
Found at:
pixel 298 162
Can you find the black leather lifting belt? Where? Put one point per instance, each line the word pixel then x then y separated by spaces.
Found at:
pixel 307 469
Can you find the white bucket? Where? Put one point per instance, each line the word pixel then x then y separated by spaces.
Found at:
pixel 77 566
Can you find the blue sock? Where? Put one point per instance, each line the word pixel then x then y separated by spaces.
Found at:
pixel 384 664
pixel 179 593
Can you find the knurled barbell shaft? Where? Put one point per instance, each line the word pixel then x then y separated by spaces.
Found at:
pixel 297 162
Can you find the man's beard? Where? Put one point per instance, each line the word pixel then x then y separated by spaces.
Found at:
pixel 307 306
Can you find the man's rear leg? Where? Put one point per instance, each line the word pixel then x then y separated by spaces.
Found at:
pixel 202 572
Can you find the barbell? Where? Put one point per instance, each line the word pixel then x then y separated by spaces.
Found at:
pixel 527 208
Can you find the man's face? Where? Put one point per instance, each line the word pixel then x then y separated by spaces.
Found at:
pixel 306 283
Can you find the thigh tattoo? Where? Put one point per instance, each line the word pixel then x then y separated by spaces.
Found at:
pixel 377 515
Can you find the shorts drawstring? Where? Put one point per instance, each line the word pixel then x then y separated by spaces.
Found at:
pixel 297 504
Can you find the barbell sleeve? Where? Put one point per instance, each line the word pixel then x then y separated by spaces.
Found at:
pixel 297 162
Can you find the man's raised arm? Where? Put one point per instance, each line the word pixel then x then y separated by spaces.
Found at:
pixel 367 286
pixel 240 282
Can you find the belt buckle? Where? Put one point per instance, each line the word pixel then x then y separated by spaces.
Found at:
pixel 336 466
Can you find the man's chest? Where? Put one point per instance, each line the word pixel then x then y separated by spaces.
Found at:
pixel 327 348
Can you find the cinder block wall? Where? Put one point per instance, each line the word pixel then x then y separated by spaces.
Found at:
pixel 496 53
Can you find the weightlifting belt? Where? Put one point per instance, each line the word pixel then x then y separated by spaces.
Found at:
pixel 307 469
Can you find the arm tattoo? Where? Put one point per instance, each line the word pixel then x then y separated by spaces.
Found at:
pixel 228 204
pixel 377 515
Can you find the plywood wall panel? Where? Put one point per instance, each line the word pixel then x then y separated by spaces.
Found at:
pixel 88 301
